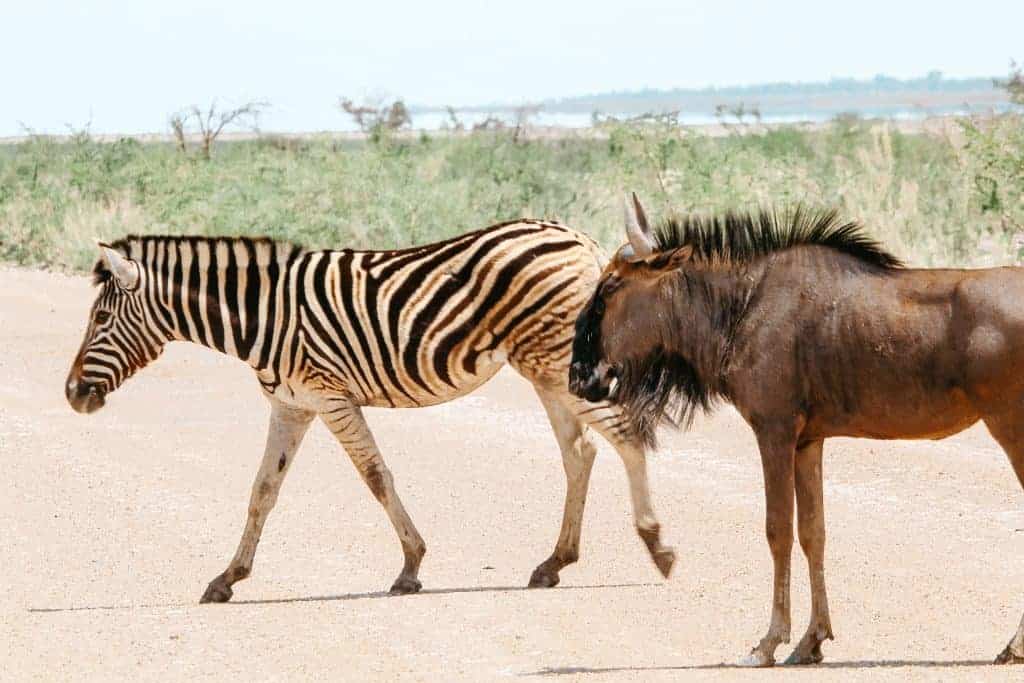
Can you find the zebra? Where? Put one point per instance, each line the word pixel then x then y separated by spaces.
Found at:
pixel 331 332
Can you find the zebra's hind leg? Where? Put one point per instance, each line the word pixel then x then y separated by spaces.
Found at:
pixel 612 424
pixel 577 458
pixel 287 427
pixel 346 422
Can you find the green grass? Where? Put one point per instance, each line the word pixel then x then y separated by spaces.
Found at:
pixel 932 199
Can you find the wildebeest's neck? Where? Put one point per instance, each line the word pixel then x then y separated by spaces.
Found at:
pixel 707 307
pixel 699 312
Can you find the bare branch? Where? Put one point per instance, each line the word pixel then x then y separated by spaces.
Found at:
pixel 177 122
pixel 377 119
pixel 1014 85
pixel 210 123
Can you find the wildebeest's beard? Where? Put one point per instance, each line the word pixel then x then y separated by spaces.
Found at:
pixel 660 387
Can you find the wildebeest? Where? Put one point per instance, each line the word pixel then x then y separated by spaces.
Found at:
pixel 811 330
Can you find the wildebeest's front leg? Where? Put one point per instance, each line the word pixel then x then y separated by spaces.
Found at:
pixel 287 427
pixel 777 451
pixel 810 507
pixel 346 422
pixel 1008 430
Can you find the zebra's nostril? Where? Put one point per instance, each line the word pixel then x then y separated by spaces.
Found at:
pixel 85 397
pixel 80 389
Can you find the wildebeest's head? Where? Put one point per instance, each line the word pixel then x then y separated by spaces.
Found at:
pixel 118 340
pixel 628 293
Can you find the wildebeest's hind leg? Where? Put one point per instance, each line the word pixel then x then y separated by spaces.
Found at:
pixel 346 422
pixel 577 459
pixel 1008 430
pixel 777 459
pixel 811 531
pixel 287 427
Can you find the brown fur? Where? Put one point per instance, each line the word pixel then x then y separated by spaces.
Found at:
pixel 808 339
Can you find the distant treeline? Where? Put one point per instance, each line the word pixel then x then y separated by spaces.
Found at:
pixel 879 95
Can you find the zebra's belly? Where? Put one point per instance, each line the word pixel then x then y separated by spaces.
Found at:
pixel 416 396
pixel 316 392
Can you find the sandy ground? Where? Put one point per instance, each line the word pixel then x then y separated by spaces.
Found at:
pixel 112 524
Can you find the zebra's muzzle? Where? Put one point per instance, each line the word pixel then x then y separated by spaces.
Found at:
pixel 85 397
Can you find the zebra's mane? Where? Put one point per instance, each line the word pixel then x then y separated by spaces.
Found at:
pixel 134 247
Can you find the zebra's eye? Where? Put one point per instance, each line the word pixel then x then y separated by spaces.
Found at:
pixel 102 317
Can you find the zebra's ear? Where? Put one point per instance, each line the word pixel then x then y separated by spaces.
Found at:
pixel 123 268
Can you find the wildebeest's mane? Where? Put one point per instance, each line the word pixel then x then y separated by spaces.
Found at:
pixel 101 274
pixel 738 237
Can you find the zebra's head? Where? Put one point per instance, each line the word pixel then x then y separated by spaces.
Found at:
pixel 118 340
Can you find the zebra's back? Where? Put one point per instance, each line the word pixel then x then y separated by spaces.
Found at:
pixel 423 325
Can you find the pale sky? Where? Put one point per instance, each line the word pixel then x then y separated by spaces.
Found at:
pixel 125 65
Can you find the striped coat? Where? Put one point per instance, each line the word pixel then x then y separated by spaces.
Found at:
pixel 329 332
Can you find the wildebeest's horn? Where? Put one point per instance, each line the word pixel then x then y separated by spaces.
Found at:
pixel 637 229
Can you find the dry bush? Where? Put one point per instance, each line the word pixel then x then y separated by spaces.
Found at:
pixel 209 123
pixel 375 118
pixel 1014 85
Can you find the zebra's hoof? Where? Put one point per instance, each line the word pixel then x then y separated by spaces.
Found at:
pixel 405 585
pixel 799 658
pixel 542 578
pixel 757 659
pixel 664 559
pixel 217 591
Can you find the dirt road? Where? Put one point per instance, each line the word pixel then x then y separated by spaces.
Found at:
pixel 112 524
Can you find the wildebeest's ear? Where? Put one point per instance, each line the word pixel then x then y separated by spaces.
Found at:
pixel 637 229
pixel 681 255
pixel 625 253
pixel 125 271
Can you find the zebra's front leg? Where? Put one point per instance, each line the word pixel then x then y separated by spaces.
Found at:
pixel 578 453
pixel 287 427
pixel 346 422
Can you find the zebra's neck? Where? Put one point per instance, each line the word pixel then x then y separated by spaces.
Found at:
pixel 231 295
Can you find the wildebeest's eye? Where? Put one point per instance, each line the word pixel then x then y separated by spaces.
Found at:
pixel 609 286
pixel 102 317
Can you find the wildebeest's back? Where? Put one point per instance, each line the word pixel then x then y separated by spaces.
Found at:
pixel 892 354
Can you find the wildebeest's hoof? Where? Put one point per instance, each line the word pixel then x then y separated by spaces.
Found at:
pixel 756 658
pixel 542 578
pixel 664 559
pixel 802 658
pixel 405 585
pixel 217 591
pixel 1008 656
